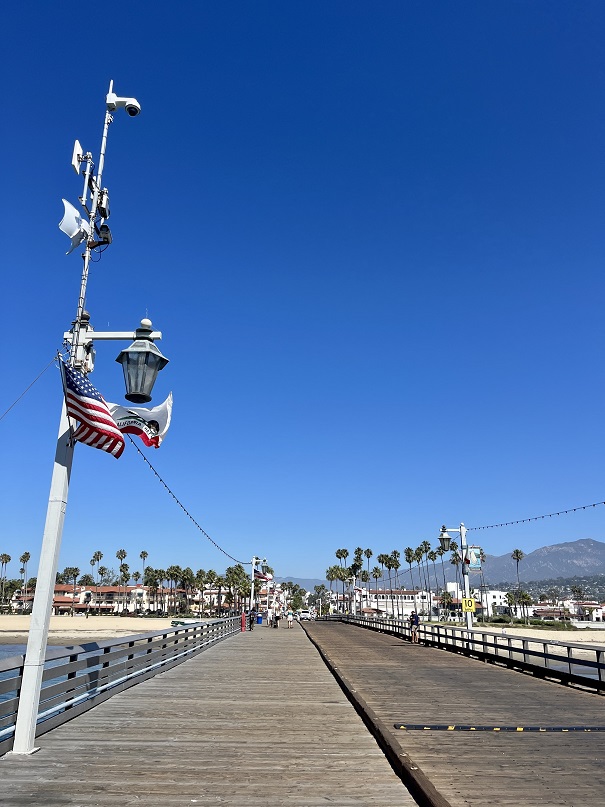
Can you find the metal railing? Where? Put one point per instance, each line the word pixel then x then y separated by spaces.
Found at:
pixel 568 662
pixel 77 678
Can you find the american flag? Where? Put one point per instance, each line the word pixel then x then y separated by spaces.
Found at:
pixel 84 403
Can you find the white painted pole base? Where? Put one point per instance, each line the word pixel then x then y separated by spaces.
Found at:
pixel 29 699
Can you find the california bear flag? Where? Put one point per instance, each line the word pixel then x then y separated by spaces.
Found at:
pixel 150 424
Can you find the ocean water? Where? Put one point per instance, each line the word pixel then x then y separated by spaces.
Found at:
pixel 7 650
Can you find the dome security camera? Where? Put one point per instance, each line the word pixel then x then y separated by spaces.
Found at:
pixel 131 105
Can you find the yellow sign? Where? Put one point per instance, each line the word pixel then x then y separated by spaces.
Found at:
pixel 468 604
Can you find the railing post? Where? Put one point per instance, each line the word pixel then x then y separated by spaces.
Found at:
pixel 70 676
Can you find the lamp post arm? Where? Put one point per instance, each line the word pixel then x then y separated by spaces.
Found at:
pixel 122 336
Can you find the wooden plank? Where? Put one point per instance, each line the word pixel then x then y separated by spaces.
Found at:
pixel 408 683
pixel 255 720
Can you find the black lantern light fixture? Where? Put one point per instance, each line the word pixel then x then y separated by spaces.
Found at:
pixel 444 539
pixel 141 362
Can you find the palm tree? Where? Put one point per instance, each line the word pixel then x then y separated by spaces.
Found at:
pixel 382 559
pixel 342 574
pixel 418 556
pixel 396 565
pixel 425 548
pixel 518 556
pixel 525 601
pixel 368 554
pixel 200 580
pixel 342 555
pixel 151 580
pixel 144 555
pixel 161 575
pixel 441 553
pixel 446 600
pixel 4 561
pixel 211 578
pixel 485 609
pixel 408 554
pixel 121 556
pixel 172 575
pixel 187 581
pixel 72 573
pixel 510 601
pixel 376 574
pixel 97 558
pixel 456 560
pixel 432 556
pixel 124 578
pixel 220 584
pixel 23 561
pixel 331 577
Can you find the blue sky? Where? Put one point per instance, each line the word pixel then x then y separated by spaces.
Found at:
pixel 372 235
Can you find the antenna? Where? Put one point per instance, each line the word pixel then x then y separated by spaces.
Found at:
pixel 76 157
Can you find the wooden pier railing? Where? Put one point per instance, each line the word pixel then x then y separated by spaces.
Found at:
pixel 77 678
pixel 569 662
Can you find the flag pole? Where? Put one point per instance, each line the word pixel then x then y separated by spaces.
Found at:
pixel 37 640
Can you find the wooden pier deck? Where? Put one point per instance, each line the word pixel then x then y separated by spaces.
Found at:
pixel 257 719
pixel 394 681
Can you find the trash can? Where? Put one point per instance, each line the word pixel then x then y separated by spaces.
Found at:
pixel 259 619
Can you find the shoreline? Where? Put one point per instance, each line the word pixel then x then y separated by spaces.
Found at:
pixel 65 631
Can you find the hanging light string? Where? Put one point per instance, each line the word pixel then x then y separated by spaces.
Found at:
pixel 27 388
pixel 536 518
pixel 184 509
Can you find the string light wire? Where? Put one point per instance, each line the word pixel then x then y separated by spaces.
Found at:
pixel 184 509
pixel 536 518
pixel 26 390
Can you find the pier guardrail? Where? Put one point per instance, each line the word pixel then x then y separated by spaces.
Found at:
pixel 568 662
pixel 79 677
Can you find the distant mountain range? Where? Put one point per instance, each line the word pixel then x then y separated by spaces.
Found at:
pixel 570 559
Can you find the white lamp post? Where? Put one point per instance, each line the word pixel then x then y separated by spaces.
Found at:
pixel 444 540
pixel 92 234
pixel 255 561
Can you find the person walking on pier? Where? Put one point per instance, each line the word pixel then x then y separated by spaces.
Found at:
pixel 290 617
pixel 414 624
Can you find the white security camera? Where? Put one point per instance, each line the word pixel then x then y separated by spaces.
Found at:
pixel 131 105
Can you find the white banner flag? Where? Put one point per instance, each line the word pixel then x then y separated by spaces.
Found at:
pixel 149 424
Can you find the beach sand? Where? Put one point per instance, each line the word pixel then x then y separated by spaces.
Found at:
pixel 68 630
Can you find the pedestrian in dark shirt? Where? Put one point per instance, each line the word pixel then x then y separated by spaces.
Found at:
pixel 414 623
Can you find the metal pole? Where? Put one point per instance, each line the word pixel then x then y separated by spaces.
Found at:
pixel 254 562
pixel 465 575
pixel 29 696
pixel 93 214
pixel 37 640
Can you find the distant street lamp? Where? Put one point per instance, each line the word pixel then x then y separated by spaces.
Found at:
pixel 255 562
pixel 141 362
pixel 352 598
pixel 444 540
